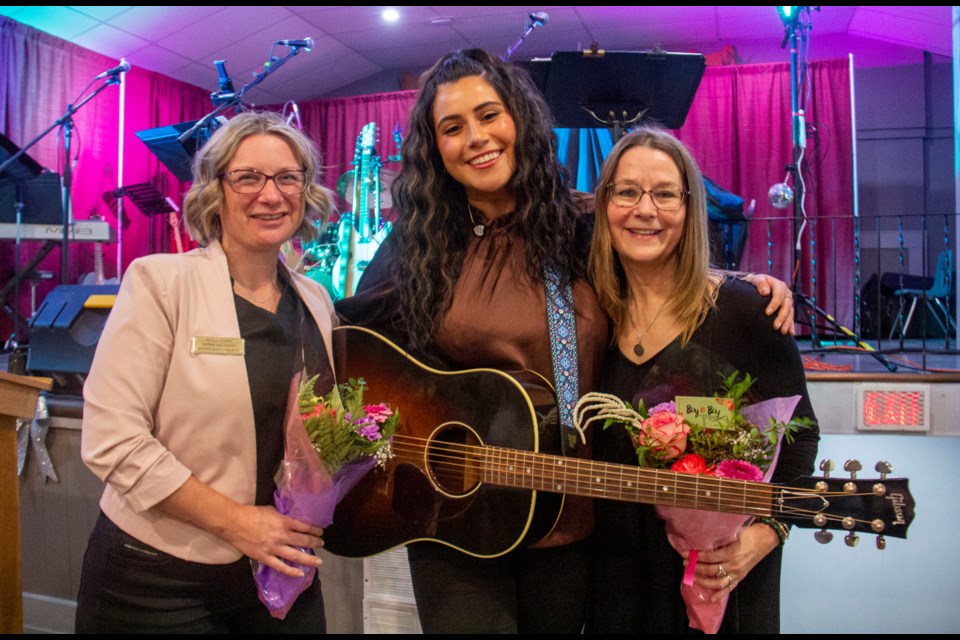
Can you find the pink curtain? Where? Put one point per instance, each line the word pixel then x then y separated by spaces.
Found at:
pixel 40 76
pixel 335 124
pixel 739 129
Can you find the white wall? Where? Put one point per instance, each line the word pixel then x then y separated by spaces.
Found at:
pixel 911 586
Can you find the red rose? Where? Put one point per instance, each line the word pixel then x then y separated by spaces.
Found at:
pixel 665 433
pixel 690 463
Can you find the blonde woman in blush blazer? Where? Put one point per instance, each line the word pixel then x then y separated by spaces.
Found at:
pixel 184 405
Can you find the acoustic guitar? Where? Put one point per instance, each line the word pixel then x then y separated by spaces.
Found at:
pixel 473 467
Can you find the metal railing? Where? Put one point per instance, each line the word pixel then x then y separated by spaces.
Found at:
pixel 854 272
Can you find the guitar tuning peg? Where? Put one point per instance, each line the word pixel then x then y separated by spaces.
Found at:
pixel 881 543
pixel 852 466
pixel 883 468
pixel 826 465
pixel 823 536
pixel 851 539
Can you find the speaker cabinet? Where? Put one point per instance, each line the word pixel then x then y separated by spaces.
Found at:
pixel 65 331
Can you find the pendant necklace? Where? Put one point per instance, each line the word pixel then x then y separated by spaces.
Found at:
pixel 274 289
pixel 638 348
pixel 478 229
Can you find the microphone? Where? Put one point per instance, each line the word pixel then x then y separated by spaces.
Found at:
pixel 117 70
pixel 539 18
pixel 306 43
pixel 294 113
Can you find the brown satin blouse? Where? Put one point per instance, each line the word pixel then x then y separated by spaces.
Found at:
pixel 498 319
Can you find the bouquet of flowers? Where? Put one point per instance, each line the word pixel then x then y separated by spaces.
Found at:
pixel 708 436
pixel 331 442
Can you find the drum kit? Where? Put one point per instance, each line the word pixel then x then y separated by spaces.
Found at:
pixel 343 249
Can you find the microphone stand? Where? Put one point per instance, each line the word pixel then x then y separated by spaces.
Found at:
pixel 806 308
pixel 65 121
pixel 516 45
pixel 230 100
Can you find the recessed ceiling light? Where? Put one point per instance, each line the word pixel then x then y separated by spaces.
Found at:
pixel 390 15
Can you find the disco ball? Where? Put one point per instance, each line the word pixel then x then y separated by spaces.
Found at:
pixel 781 195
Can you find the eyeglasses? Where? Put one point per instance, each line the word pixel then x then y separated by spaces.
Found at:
pixel 627 194
pixel 252 181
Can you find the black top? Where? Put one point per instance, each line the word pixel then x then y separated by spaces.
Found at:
pixel 276 346
pixel 637 572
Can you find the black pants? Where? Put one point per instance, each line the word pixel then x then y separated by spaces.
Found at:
pixel 128 586
pixel 525 591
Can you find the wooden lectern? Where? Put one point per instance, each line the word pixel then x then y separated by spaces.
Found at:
pixel 18 399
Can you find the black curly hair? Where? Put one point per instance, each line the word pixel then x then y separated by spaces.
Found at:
pixel 431 230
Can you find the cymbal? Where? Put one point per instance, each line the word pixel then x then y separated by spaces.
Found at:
pixel 346 187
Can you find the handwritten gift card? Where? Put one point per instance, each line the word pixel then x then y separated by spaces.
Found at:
pixel 712 413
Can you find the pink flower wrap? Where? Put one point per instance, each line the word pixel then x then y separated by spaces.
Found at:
pixel 693 530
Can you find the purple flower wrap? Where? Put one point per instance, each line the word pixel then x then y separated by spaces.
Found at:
pixel 306 492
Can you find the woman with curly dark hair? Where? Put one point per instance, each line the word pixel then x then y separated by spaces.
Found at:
pixel 482 209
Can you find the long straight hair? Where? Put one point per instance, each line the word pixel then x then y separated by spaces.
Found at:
pixel 694 295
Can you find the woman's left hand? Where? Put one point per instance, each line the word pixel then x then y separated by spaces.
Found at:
pixel 781 300
pixel 721 569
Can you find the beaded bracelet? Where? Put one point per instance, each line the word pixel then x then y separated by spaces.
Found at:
pixel 778 528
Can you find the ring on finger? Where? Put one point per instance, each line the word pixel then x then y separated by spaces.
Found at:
pixel 731 581
pixel 721 571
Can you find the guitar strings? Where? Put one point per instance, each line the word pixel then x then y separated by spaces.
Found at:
pixel 447 459
pixel 729 505
pixel 447 455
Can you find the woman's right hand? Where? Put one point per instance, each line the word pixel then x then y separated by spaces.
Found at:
pixel 257 532
pixel 269 537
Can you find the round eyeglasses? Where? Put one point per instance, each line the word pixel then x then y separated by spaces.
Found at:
pixel 627 194
pixel 252 181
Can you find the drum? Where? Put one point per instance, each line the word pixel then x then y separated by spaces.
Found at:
pixel 321 255
pixel 321 276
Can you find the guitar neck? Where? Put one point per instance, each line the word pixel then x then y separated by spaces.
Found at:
pixel 574 476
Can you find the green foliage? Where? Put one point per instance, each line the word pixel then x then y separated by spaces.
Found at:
pixel 340 426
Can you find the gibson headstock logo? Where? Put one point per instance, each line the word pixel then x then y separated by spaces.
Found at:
pixel 897 503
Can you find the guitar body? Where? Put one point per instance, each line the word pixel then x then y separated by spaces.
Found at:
pixel 419 497
pixel 475 467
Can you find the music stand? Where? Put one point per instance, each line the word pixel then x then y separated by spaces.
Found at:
pixel 147 199
pixel 176 156
pixel 24 168
pixel 619 89
pixel 28 195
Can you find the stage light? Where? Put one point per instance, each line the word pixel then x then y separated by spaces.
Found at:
pixel 789 15
pixel 390 15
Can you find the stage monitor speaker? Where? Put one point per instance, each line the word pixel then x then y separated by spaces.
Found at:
pixel 66 328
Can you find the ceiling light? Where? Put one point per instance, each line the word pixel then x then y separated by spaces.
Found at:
pixel 390 15
pixel 789 15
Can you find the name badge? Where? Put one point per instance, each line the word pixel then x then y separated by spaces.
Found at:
pixel 216 346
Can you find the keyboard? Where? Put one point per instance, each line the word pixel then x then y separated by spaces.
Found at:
pixel 80 231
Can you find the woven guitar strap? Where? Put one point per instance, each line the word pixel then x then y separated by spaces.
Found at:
pixel 562 321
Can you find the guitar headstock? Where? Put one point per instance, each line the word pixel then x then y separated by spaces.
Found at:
pixel 881 506
pixel 368 139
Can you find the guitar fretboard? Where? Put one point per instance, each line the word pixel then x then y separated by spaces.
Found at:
pixel 574 476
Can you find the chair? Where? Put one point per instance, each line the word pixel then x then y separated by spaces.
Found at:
pixel 936 297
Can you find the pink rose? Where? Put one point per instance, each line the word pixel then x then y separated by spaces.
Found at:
pixel 665 433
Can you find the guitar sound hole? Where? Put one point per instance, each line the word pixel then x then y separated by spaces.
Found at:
pixel 454 459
